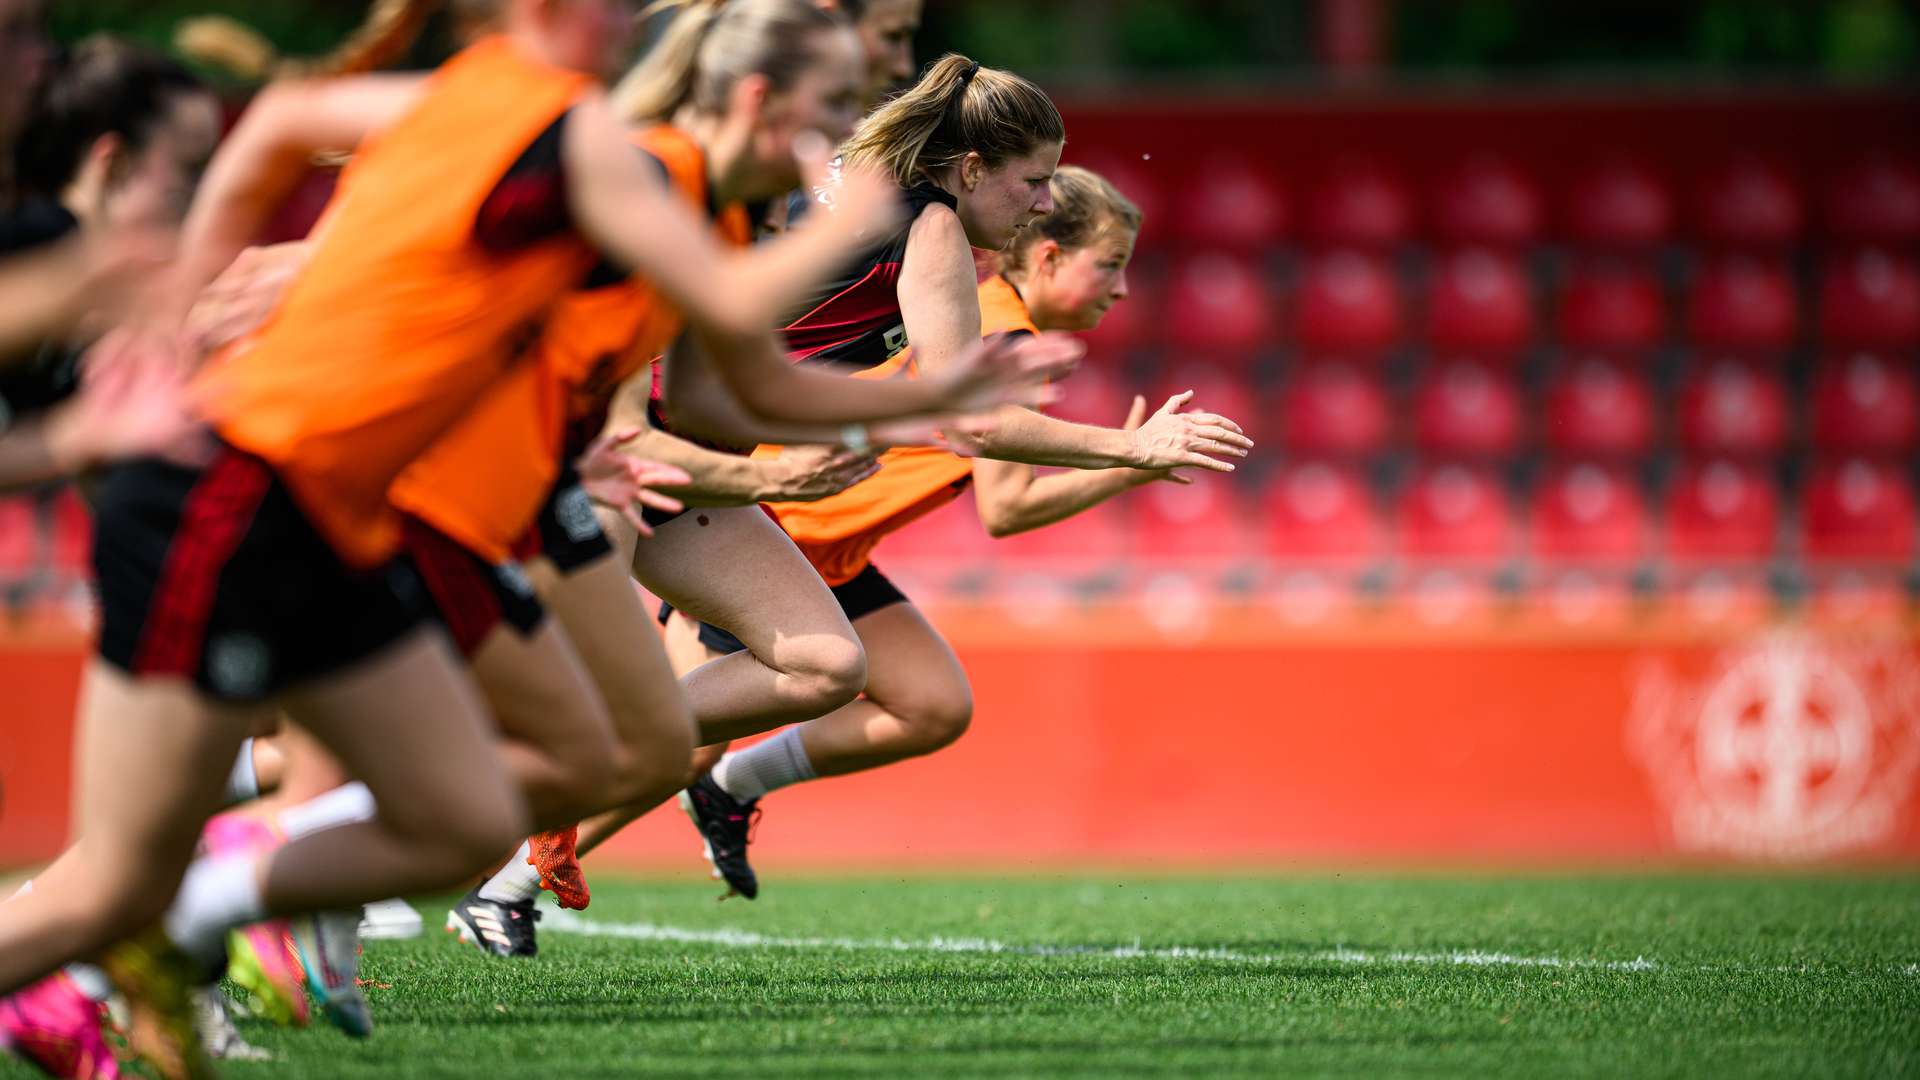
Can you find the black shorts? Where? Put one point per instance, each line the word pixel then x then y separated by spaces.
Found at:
pixel 215 575
pixel 868 592
pixel 470 596
pixel 565 532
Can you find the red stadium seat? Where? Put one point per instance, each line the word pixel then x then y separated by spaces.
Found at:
pixel 1358 204
pixel 1466 409
pixel 1612 307
pixel 1479 302
pixel 1857 511
pixel 1589 513
pixel 1743 303
pixel 1219 301
pixel 1721 511
pixel 1619 204
pixel 1599 409
pixel 1347 304
pixel 1749 203
pixel 1870 299
pixel 1455 513
pixel 1865 404
pixel 1216 389
pixel 1232 204
pixel 1334 408
pixel 72 537
pixel 1876 201
pixel 1733 408
pixel 1488 201
pixel 19 539
pixel 1199 521
pixel 1323 513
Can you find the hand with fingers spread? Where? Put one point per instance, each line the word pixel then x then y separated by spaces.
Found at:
pixel 1008 371
pixel 1172 439
pixel 242 297
pixel 133 402
pixel 811 473
pixel 626 482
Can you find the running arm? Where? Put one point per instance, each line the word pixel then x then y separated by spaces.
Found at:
pixel 1013 498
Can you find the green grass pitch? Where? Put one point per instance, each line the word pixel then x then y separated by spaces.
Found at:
pixel 1677 976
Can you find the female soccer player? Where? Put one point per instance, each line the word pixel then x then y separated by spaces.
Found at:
pixel 974 149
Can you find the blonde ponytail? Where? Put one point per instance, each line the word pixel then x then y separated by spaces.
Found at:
pixel 390 29
pixel 713 44
pixel 957 107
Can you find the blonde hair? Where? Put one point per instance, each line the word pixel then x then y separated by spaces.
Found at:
pixel 389 30
pixel 713 44
pixel 956 107
pixel 1085 206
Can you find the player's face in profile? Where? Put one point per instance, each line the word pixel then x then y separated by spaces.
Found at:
pixel 1082 283
pixel 825 97
pixel 153 186
pixel 594 36
pixel 1008 197
pixel 886 38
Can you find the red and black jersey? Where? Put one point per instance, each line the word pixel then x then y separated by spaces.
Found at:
pixel 855 318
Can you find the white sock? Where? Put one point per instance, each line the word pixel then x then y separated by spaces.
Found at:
pixel 242 783
pixel 91 980
pixel 516 881
pixel 768 765
pixel 347 804
pixel 218 893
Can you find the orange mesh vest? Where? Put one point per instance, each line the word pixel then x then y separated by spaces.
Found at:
pixel 838 534
pixel 402 318
pixel 484 481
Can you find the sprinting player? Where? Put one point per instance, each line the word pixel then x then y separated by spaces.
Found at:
pixel 266 576
pixel 955 143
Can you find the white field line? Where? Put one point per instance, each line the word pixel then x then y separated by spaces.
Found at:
pixel 566 922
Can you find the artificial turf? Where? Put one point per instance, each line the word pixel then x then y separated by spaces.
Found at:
pixel 1340 975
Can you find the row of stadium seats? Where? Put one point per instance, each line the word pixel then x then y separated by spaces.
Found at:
pixel 1865 403
pixel 1616 202
pixel 1476 300
pixel 1715 511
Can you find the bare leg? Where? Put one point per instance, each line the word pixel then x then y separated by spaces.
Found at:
pixel 734 567
pixel 152 757
pixel 917 698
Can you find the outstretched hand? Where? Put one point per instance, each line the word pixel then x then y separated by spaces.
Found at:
pixel 625 481
pixel 1173 439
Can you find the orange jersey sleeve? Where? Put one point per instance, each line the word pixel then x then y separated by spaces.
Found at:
pixel 403 317
pixel 838 533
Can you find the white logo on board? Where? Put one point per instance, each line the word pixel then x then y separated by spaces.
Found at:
pixel 1789 748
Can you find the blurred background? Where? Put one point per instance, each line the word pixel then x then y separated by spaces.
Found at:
pixel 1582 346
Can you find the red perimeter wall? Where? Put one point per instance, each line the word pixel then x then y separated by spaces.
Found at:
pixel 1099 739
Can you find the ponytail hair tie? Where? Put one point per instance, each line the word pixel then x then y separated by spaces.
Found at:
pixel 967 75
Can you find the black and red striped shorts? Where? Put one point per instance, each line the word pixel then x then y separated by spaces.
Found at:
pixel 471 596
pixel 215 575
pixel 565 532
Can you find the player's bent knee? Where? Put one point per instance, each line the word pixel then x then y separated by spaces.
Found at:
pixel 937 722
pixel 829 670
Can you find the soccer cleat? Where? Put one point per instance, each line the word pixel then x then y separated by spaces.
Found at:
pixel 726 823
pixel 493 927
pixel 389 920
pixel 158 980
pixel 217 1032
pixel 261 961
pixel 553 855
pixel 327 948
pixel 56 1028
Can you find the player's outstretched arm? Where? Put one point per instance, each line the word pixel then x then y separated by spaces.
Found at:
pixel 1013 498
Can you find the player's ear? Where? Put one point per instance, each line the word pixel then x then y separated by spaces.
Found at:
pixel 973 169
